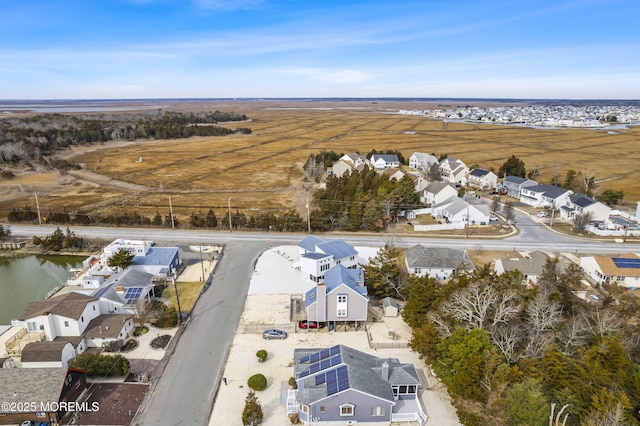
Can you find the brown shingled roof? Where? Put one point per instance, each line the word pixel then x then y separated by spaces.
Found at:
pixel 43 351
pixel 106 326
pixel 70 305
pixel 608 267
pixel 38 385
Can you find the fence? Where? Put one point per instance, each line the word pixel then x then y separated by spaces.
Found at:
pixel 442 227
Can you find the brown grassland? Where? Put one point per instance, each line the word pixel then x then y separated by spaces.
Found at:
pixel 262 172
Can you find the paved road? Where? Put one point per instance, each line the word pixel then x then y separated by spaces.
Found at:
pixel 185 393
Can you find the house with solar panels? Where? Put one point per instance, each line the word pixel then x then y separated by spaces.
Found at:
pixel 317 255
pixel 341 385
pixel 128 291
pixel 340 296
pixel 623 270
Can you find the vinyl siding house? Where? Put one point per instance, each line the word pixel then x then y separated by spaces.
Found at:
pixel 340 167
pixel 108 328
pixel 437 192
pixel 623 270
pixel 515 184
pixel 482 179
pixel 128 291
pixel 342 386
pixel 437 263
pixel 454 170
pixel 355 159
pixel 422 161
pixel 531 266
pixel 581 204
pixel 456 210
pixel 341 296
pixel 160 262
pixel 317 255
pixel 384 161
pixel 545 196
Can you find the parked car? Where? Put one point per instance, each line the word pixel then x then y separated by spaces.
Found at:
pixel 310 324
pixel 274 334
pixel 543 214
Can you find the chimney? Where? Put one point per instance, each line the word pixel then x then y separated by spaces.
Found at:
pixel 119 288
pixel 321 302
pixel 385 371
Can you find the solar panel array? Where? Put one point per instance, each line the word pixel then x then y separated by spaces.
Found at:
pixel 322 365
pixel 132 295
pixel 627 262
pixel 317 356
pixel 337 380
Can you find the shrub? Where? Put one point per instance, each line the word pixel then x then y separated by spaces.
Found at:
pixel 252 413
pixel 98 365
pixel 293 383
pixel 257 382
pixel 295 419
pixel 262 355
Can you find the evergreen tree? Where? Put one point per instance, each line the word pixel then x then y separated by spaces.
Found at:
pixel 512 167
pixel 121 259
pixel 252 413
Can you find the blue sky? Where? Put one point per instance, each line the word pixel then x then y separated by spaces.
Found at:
pixel 86 49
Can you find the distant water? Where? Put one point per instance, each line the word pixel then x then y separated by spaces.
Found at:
pixel 29 278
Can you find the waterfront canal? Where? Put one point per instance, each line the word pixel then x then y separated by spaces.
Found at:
pixel 29 278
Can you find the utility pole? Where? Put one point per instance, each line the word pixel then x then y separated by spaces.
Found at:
pixel 308 218
pixel 202 264
pixel 38 207
pixel 553 212
pixel 230 226
pixel 173 225
pixel 175 287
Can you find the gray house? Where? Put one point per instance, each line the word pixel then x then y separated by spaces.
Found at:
pixel 341 296
pixel 435 262
pixel 341 385
pixel 514 184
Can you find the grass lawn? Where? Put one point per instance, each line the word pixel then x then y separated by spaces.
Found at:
pixel 188 295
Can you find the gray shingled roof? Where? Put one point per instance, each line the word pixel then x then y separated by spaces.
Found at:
pixel 106 326
pixel 364 373
pixel 582 200
pixel 420 256
pixel 39 385
pixel 533 265
pixel 69 305
pixel 43 351
pixel 436 187
pixel 550 191
pixel 479 172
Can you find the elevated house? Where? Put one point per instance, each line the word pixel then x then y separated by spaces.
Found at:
pixel 340 296
pixel 342 386
pixel 513 185
pixel 317 256
pixel 454 170
pixel 482 179
pixel 550 196
pixel 623 270
pixel 421 161
pixel 34 394
pixel 161 262
pixel 435 262
pixel 580 204
pixel 128 291
pixel 384 161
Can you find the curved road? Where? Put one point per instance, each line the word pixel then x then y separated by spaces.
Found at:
pixel 185 393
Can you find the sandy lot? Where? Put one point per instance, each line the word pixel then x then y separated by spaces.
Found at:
pixel 268 304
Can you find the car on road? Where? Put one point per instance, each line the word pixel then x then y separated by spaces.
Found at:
pixel 274 334
pixel 310 324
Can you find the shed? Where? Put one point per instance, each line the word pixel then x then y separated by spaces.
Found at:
pixel 390 307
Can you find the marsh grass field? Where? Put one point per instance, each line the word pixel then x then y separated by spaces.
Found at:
pixel 263 172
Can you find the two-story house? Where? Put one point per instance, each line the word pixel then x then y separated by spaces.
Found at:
pixel 454 170
pixel 514 184
pixel 422 161
pixel 580 204
pixel 550 196
pixel 341 385
pixel 437 192
pixel 482 179
pixel 128 291
pixel 384 161
pixel 340 296
pixel 317 255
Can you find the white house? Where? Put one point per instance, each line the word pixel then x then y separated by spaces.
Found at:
pixel 128 291
pixel 623 270
pixel 384 161
pixel 422 161
pixel 437 263
pixel 437 192
pixel 354 159
pixel 137 247
pixel 456 210
pixel 581 204
pixel 47 354
pixel 108 328
pixel 454 170
pixel 545 196
pixel 317 256
pixel 514 185
pixel 482 179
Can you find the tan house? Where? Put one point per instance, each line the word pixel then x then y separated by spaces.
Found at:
pixel 623 270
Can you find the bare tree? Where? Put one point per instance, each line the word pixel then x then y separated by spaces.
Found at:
pixel 507 339
pixel 495 203
pixel 581 220
pixel 557 421
pixel 537 344
pixel 573 335
pixel 588 180
pixel 543 314
pixel 471 305
pixel 613 416
pixel 440 323
pixel 603 323
pixel 506 308
pixel 508 212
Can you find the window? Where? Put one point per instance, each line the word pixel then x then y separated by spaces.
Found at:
pixel 341 306
pixel 305 408
pixel 412 389
pixel 66 323
pixel 82 319
pixel 322 408
pixel 347 410
pixel 94 307
pixel 377 411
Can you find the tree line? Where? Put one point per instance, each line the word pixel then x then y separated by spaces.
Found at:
pixel 34 138
pixel 509 353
